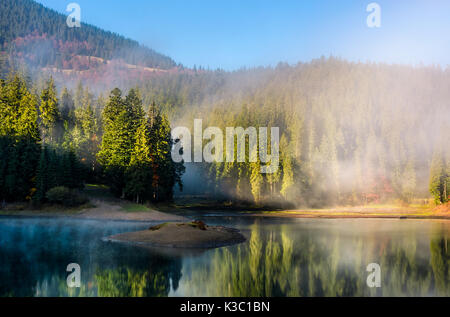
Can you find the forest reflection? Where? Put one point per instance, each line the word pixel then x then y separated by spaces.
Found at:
pixel 286 262
pixel 288 258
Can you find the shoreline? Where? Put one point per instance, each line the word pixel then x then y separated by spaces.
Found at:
pixel 366 212
pixel 116 211
pixel 367 216
pixel 102 210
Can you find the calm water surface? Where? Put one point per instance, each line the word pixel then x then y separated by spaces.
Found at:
pixel 289 257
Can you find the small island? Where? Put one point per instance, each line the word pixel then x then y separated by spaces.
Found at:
pixel 192 235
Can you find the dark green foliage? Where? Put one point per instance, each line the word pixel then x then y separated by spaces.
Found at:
pixel 67 109
pixel 152 174
pixel 19 140
pixel 121 118
pixel 27 171
pixel 82 130
pixel 57 168
pixel 341 142
pixel 65 196
pixel 135 151
pixel 43 177
pixel 49 112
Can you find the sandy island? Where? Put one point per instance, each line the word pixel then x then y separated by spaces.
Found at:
pixel 181 235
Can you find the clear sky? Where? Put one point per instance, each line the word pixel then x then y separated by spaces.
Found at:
pixel 230 34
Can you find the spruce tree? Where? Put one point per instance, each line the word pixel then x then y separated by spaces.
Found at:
pixel 288 181
pixel 42 176
pixel 120 120
pixel 166 173
pixel 409 182
pixel 139 172
pixel 20 136
pixel 152 174
pixel 438 178
pixel 49 112
pixel 67 108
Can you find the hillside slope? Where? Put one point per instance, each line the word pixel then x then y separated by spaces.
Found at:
pixel 38 36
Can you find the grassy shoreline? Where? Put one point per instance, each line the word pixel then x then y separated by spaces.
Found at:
pixel 143 213
pixel 374 211
pixel 102 205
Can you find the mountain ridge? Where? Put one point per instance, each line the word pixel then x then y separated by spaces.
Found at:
pixel 39 37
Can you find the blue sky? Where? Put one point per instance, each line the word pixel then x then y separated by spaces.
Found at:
pixel 230 34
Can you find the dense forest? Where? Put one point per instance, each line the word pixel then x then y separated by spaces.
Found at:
pixel 350 133
pixel 32 33
pixel 49 145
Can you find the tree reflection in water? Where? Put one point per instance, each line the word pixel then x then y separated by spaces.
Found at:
pixel 280 258
pixel 282 261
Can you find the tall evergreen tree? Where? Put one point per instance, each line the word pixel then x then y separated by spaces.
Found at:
pixel 67 108
pixel 140 171
pixel 120 118
pixel 20 139
pixel 152 174
pixel 409 182
pixel 49 112
pixel 43 178
pixel 439 178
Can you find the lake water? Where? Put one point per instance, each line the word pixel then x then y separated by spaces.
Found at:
pixel 282 257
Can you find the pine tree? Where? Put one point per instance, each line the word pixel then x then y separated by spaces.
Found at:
pixel 27 122
pixel 409 182
pixel 169 172
pixel 256 181
pixel 42 176
pixel 120 118
pixel 152 173
pixel 12 171
pixel 139 172
pixel 49 112
pixel 11 95
pixel 438 179
pixel 20 135
pixel 134 103
pixel 67 108
pixel 87 146
pixel 79 94
pixel 288 182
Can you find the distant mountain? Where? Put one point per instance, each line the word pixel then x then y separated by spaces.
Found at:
pixel 40 37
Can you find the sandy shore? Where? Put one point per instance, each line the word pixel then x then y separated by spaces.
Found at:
pixel 103 210
pixel 117 210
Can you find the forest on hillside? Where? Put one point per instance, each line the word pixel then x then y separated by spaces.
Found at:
pixel 33 34
pixel 350 133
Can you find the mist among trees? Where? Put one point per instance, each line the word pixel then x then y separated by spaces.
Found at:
pixel 350 133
